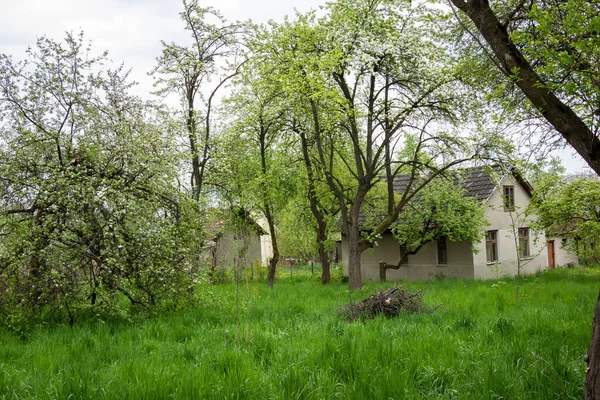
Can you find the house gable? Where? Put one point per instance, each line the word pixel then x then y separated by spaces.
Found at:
pixel 504 222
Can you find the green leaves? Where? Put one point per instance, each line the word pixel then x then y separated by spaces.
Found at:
pixel 571 209
pixel 89 213
pixel 442 209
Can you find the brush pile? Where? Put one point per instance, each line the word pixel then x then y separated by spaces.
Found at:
pixel 389 302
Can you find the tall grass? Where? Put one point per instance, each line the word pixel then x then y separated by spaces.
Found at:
pixel 290 343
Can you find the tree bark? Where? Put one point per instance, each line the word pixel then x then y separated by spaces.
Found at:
pixel 383 267
pixel 191 127
pixel 315 206
pixel 323 256
pixel 354 271
pixel 592 377
pixel 515 66
pixel 275 259
pixel 267 205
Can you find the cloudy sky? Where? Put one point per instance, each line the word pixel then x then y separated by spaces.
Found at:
pixel 131 30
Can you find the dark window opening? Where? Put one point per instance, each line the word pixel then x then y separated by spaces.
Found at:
pixel 442 251
pixel 403 254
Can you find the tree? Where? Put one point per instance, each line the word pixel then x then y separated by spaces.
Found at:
pixel 393 90
pixel 188 71
pixel 88 210
pixel 360 85
pixel 442 209
pixel 283 52
pixel 550 50
pixel 570 209
pixel 544 48
pixel 258 127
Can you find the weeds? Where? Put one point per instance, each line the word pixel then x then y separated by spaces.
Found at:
pixel 291 343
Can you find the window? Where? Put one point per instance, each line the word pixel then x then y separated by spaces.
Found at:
pixel 524 243
pixel 509 198
pixel 491 246
pixel 442 251
pixel 403 254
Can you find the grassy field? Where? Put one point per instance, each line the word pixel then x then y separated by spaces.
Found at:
pixel 290 343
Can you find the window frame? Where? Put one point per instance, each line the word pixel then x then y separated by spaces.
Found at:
pixel 493 242
pixel 508 197
pixel 524 243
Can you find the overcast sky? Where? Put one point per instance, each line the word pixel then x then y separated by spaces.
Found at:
pixel 131 30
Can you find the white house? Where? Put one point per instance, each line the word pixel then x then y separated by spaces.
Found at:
pixel 498 253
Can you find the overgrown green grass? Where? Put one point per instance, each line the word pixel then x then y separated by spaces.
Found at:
pixel 290 343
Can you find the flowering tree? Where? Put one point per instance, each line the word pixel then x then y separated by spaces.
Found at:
pixel 89 214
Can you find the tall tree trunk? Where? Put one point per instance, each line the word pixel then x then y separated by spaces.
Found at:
pixel 323 256
pixel 592 377
pixel 315 206
pixel 356 244
pixel 191 127
pixel 267 205
pixel 275 259
pixel 354 251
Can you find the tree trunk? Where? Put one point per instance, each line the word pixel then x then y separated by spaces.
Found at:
pixel 191 127
pixel 326 267
pixel 274 260
pixel 383 267
pixel 315 205
pixel 516 67
pixel 354 251
pixel 592 377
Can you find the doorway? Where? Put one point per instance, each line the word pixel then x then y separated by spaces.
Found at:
pixel 551 262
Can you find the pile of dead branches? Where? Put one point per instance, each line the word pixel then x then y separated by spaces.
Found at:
pixel 389 302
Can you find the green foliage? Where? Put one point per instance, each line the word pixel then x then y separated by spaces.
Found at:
pixel 89 217
pixel 373 93
pixel 571 209
pixel 289 343
pixel 562 40
pixel 442 209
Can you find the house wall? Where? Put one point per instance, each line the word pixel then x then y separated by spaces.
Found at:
pixel 266 246
pixel 462 261
pixel 563 255
pixel 266 250
pixel 503 222
pixel 420 266
pixel 228 249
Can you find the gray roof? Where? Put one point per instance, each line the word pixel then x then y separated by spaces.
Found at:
pixel 476 181
pixel 479 182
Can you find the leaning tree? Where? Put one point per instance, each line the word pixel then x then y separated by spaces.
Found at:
pixel 550 50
